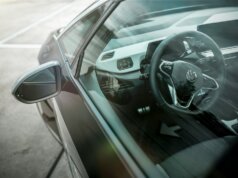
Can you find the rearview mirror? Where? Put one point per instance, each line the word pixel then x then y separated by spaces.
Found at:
pixel 42 83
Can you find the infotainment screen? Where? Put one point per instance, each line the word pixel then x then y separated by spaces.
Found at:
pixel 225 34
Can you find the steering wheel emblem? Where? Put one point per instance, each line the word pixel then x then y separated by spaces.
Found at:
pixel 191 76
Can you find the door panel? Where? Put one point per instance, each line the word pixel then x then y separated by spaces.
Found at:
pixel 80 132
pixel 97 153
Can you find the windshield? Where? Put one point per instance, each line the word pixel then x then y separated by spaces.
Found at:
pixel 168 71
pixel 149 19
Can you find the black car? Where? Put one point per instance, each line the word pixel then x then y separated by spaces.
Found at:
pixel 142 88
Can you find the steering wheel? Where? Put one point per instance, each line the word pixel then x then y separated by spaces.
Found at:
pixel 189 81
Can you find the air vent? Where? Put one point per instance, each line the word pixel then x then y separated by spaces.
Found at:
pixel 124 63
pixel 107 56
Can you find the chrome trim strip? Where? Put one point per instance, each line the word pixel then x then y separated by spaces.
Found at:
pixel 230 123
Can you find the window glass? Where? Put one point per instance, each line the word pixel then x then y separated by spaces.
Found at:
pixel 168 70
pixel 75 36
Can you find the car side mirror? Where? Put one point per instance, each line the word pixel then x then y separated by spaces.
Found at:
pixel 42 83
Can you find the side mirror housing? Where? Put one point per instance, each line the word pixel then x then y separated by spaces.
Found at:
pixel 42 83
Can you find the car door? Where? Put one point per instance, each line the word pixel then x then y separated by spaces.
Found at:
pixel 106 112
pixel 89 142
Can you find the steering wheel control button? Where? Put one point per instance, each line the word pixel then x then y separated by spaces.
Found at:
pixel 209 82
pixel 167 67
pixel 124 63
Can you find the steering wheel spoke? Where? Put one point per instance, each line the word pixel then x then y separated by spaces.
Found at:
pixel 173 94
pixel 178 103
pixel 209 83
pixel 166 67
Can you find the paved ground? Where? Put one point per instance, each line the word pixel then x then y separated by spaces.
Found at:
pixel 26 147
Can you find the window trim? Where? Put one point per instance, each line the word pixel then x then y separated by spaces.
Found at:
pixel 84 14
pixel 79 56
pixel 81 15
pixel 86 23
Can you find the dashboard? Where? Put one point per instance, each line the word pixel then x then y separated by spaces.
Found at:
pixel 121 72
pixel 213 22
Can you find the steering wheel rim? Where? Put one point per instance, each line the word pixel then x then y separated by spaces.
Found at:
pixel 156 62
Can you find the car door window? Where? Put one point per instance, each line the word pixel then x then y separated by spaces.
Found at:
pixel 74 37
pixel 116 73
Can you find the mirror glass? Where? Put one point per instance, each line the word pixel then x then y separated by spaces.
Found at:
pixel 38 86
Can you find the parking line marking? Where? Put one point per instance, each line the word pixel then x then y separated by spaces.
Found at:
pixel 34 24
pixel 20 46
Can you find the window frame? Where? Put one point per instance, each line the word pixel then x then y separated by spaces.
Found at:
pixel 87 12
pixel 76 66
